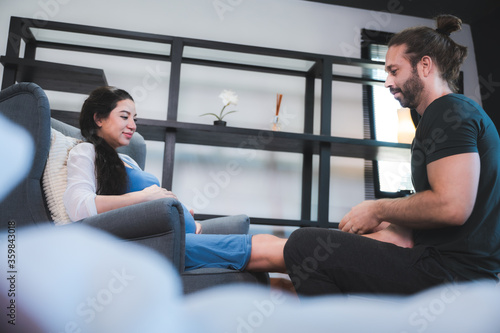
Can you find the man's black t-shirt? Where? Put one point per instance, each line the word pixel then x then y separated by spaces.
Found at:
pixel 455 124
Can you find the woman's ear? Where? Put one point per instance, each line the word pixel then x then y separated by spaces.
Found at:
pixel 97 120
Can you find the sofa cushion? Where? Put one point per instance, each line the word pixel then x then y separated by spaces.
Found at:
pixel 54 179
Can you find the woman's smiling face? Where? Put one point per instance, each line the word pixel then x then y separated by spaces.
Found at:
pixel 119 127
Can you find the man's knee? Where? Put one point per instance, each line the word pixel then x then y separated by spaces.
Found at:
pixel 309 245
pixel 294 245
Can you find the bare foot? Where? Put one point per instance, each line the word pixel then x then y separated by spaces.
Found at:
pixel 394 234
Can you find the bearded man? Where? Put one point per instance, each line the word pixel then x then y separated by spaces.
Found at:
pixel 449 230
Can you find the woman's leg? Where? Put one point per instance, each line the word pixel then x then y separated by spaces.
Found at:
pixel 267 254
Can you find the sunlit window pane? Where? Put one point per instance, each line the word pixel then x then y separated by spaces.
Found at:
pixel 393 176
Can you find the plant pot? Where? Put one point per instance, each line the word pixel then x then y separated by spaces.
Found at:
pixel 220 123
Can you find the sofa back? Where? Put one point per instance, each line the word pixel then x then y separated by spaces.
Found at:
pixel 27 105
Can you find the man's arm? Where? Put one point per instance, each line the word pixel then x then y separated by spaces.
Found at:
pixel 449 202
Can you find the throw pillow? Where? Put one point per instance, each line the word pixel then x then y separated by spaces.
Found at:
pixel 55 175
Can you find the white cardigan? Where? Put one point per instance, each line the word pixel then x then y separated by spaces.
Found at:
pixel 79 197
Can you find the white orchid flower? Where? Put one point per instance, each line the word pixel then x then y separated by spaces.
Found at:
pixel 228 97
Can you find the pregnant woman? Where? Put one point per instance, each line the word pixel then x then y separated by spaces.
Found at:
pixel 100 180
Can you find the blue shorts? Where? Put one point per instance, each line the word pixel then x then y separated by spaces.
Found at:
pixel 220 251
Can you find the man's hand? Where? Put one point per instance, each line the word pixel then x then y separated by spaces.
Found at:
pixel 362 219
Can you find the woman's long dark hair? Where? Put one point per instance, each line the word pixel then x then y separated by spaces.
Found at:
pixel 109 169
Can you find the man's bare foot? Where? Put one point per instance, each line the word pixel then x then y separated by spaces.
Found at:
pixel 393 234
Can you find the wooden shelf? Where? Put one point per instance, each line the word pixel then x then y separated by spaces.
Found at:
pixel 57 77
pixel 234 137
pixel 244 138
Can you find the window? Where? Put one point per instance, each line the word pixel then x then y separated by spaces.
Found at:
pixel 387 179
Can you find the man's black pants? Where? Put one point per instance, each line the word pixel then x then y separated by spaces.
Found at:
pixel 321 261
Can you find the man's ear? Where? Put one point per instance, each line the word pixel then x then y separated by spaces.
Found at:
pixel 427 65
pixel 97 120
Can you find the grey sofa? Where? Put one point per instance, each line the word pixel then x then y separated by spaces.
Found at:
pixel 161 224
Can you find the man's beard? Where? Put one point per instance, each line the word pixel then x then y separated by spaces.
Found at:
pixel 411 91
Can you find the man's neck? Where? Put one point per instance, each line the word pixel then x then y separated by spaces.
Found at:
pixel 430 95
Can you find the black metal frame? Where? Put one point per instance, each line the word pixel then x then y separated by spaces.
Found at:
pixel 171 131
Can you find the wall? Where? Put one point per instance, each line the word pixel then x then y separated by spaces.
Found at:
pixel 487 62
pixel 263 183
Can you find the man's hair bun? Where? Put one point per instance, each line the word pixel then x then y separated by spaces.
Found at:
pixel 446 24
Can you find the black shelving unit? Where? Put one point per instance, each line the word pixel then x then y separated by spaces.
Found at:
pixel 68 78
pixel 54 76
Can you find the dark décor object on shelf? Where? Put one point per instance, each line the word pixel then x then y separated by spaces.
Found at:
pixel 220 122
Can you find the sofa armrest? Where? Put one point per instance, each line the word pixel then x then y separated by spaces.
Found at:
pixel 157 224
pixel 237 224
